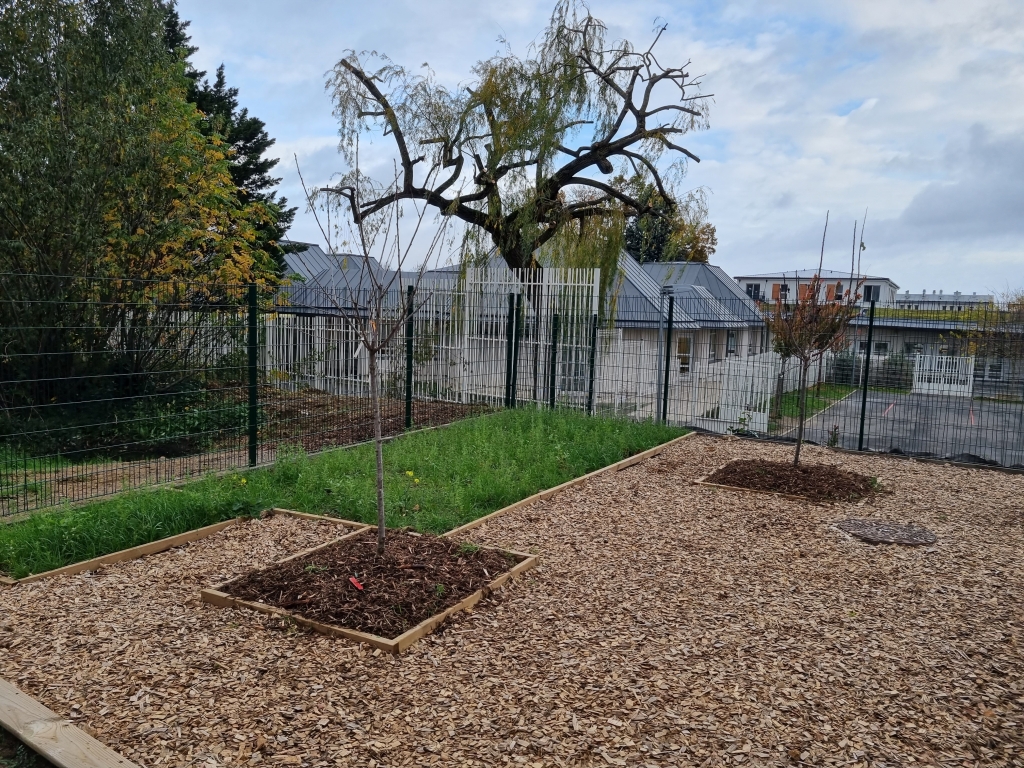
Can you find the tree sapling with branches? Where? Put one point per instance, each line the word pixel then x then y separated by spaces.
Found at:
pixel 373 294
pixel 811 326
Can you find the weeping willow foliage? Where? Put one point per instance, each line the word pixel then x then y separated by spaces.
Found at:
pixel 556 139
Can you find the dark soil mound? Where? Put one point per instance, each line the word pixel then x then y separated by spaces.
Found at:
pixel 817 482
pixel 417 577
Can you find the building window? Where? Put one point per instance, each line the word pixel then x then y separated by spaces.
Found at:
pixel 881 348
pixel 713 352
pixel 872 292
pixel 912 348
pixel 754 291
pixel 730 343
pixel 783 291
pixel 683 353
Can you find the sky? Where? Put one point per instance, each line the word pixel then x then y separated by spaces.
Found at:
pixel 911 110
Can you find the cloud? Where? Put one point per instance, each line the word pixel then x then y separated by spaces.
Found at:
pixel 984 197
pixel 914 109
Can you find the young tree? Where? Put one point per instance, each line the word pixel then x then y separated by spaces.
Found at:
pixel 377 290
pixel 508 153
pixel 810 326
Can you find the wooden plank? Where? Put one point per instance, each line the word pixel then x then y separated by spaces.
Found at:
pixel 51 736
pixel 318 547
pixel 616 467
pixel 424 628
pixel 224 600
pixel 160 545
pixel 317 518
pixel 757 490
pixel 7 581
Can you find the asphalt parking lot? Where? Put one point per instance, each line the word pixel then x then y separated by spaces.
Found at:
pixel 957 428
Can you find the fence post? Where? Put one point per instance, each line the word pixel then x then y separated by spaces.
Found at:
pixel 552 369
pixel 517 334
pixel 253 349
pixel 668 358
pixel 591 365
pixel 509 332
pixel 867 370
pixel 408 360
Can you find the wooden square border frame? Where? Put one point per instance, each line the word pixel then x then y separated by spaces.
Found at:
pixel 217 596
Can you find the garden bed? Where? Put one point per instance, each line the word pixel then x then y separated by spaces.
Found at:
pixel 390 600
pixel 667 622
pixel 814 482
pixel 435 481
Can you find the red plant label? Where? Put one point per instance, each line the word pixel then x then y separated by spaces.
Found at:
pixel 355 582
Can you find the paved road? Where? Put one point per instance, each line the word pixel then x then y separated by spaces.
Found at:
pixel 950 427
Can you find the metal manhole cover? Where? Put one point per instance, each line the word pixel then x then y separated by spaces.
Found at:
pixel 877 532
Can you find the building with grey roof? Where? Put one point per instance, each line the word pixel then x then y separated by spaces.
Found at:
pixel 780 286
pixel 944 302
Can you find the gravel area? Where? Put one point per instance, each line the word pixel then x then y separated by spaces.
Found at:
pixel 669 624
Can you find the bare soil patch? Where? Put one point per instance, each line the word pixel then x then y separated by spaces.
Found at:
pixel 816 482
pixel 317 420
pixel 349 585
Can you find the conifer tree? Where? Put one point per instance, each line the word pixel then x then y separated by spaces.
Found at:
pixel 244 134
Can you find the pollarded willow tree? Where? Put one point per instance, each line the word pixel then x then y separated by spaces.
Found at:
pixel 568 133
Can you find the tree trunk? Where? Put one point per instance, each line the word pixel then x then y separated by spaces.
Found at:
pixel 804 365
pixel 780 386
pixel 378 445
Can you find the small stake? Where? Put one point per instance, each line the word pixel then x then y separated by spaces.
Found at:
pixel 355 583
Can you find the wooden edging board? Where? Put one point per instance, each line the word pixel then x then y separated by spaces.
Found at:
pixel 703 481
pixel 132 553
pixel 616 467
pixel 217 596
pixel 51 736
pixel 161 545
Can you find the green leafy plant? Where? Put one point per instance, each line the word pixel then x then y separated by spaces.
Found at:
pixel 833 437
pixel 475 467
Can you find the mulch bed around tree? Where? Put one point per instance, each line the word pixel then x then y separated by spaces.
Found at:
pixel 417 577
pixel 817 482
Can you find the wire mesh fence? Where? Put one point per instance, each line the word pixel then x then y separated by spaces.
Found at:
pixel 107 385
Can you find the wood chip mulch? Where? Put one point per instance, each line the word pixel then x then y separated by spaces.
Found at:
pixel 668 624
pixel 817 482
pixel 349 585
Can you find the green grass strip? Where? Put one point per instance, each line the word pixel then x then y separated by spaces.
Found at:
pixel 435 480
pixel 819 397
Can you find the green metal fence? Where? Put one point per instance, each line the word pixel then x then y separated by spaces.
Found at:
pixel 108 385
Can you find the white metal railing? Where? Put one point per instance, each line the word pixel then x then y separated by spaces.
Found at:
pixel 943 375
